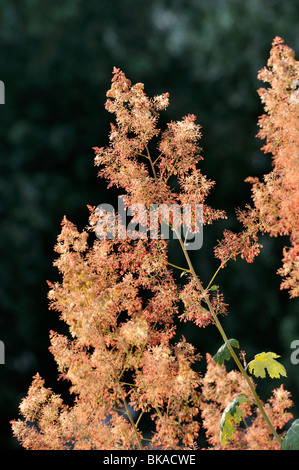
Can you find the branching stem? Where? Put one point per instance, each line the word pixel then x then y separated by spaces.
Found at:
pixel 219 326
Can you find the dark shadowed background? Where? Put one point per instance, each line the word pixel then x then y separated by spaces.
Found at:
pixel 56 61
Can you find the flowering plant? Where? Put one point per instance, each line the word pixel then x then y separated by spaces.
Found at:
pixel 121 300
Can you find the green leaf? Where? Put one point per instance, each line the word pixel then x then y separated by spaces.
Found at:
pixel 223 353
pixel 291 439
pixel 231 416
pixel 266 361
pixel 214 287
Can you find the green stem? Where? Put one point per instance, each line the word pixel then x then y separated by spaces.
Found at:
pixel 178 267
pixel 141 155
pixel 133 424
pixel 211 281
pixel 137 422
pixel 155 161
pixel 127 383
pixel 220 267
pixel 225 339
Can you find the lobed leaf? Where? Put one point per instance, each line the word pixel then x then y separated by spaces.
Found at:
pixel 223 353
pixel 266 361
pixel 291 439
pixel 231 416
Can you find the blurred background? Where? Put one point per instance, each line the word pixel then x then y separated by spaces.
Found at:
pixel 56 61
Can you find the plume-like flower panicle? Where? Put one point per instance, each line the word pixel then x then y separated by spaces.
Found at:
pixel 245 243
pixel 276 198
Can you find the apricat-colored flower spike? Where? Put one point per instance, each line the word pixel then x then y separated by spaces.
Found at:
pixel 276 198
pixel 245 243
pixel 125 162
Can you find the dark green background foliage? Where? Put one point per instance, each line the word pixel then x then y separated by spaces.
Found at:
pixel 56 60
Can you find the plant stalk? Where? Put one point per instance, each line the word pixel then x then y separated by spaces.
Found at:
pixel 133 424
pixel 225 339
